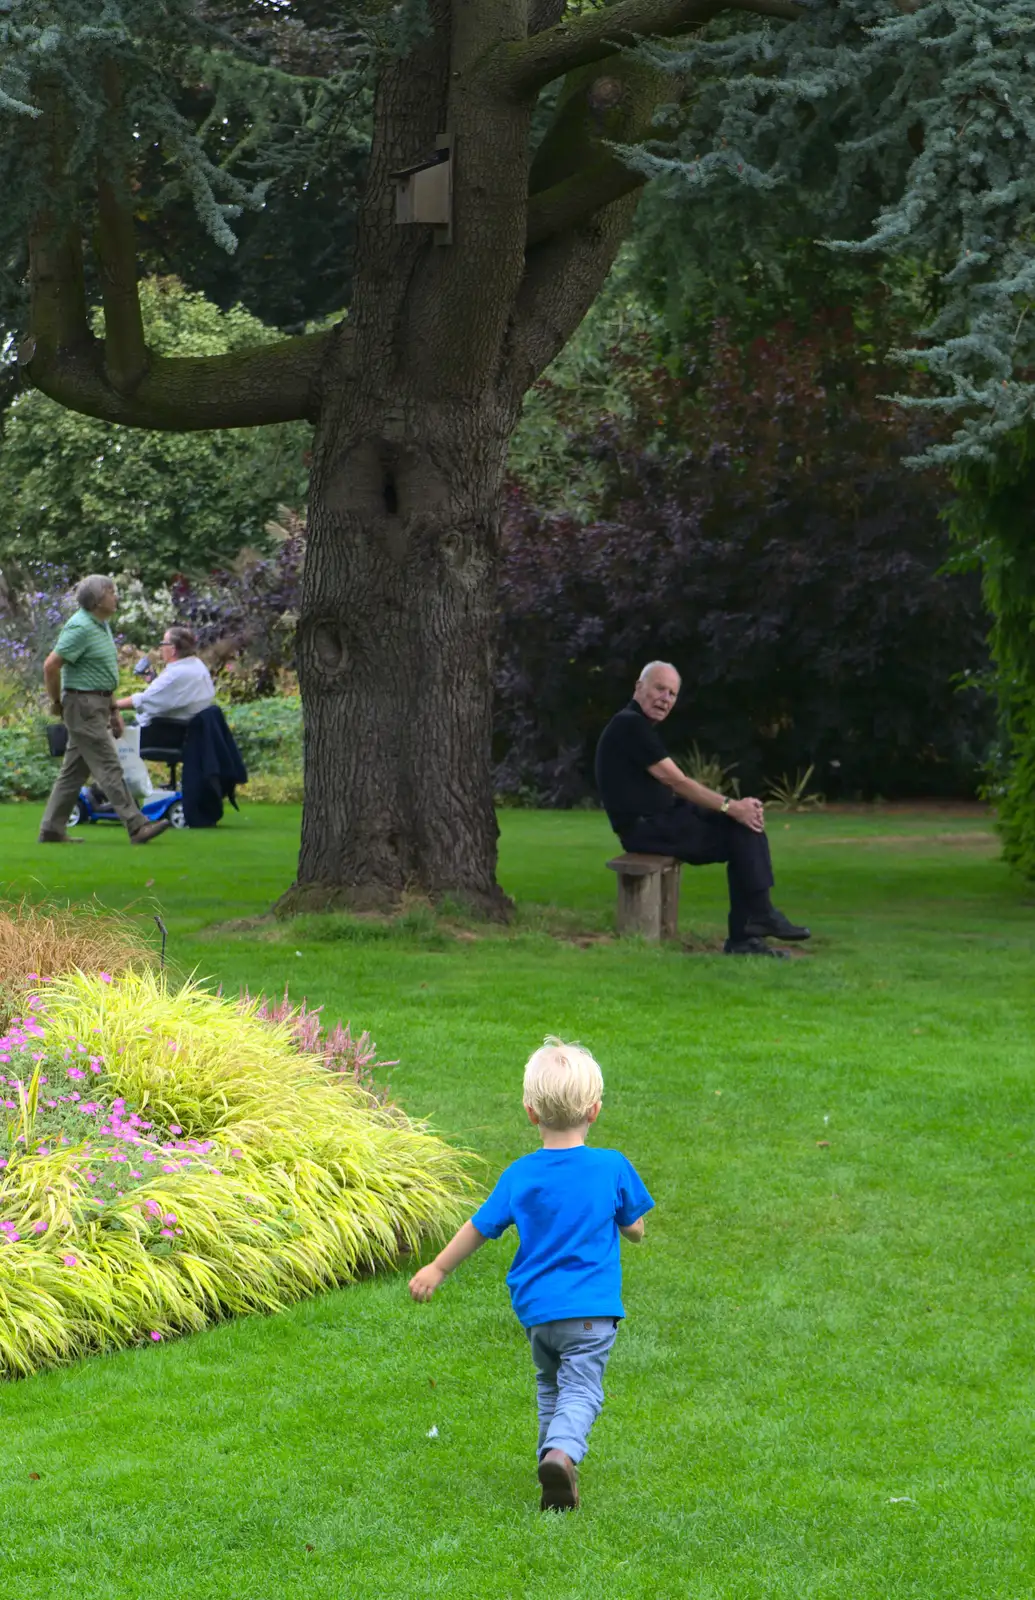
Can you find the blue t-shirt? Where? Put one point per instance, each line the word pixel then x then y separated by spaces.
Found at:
pixel 567 1206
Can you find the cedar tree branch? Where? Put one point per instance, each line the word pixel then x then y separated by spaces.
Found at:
pixel 535 62
pixel 125 347
pixel 186 394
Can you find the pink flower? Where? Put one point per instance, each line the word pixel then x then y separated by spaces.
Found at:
pixel 156 1337
pixel 166 1233
pixel 2 1165
pixel 105 977
pixel 167 1166
pixel 237 1152
pixel 170 1219
pixel 76 1072
pixel 40 1227
pixel 70 1260
pixel 175 1128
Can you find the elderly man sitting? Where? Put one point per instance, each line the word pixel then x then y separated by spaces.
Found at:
pixel 81 675
pixel 656 809
pixel 182 688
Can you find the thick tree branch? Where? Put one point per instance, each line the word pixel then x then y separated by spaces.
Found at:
pixel 186 394
pixel 537 61
pixel 125 347
pixel 575 174
pixel 563 277
pixel 573 202
pixel 56 285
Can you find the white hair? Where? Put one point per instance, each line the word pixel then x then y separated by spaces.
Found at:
pixel 92 590
pixel 652 666
pixel 562 1082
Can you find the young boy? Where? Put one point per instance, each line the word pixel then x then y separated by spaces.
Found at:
pixel 569 1204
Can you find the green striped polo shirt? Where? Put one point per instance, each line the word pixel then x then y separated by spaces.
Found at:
pixel 87 649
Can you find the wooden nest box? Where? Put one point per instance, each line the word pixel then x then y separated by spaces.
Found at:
pixel 424 192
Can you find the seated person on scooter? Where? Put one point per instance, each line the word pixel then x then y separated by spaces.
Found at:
pixel 182 688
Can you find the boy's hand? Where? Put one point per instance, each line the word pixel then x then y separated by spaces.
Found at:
pixel 633 1231
pixel 424 1283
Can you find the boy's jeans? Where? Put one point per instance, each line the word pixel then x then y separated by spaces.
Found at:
pixel 570 1358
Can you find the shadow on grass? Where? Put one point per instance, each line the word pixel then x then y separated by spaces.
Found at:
pixel 418 922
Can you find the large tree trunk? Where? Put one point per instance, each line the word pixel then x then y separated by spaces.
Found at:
pixel 396 652
pixel 420 396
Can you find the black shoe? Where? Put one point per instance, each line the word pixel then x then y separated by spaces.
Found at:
pixel 772 924
pixel 750 947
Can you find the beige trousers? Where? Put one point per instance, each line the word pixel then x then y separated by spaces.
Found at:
pixel 91 753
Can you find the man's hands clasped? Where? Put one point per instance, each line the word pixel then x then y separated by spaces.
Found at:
pixel 749 812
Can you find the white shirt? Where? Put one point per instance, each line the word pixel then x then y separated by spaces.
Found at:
pixel 180 691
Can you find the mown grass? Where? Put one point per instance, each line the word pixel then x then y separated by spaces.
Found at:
pixel 824 1388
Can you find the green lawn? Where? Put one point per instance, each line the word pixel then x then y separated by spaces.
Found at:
pixel 824 1387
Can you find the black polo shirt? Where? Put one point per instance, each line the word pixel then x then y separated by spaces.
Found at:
pixel 628 746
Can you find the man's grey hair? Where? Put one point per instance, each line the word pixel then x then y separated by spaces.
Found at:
pixel 92 590
pixel 652 666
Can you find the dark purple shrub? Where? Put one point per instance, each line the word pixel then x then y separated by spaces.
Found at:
pixel 245 619
pixel 760 530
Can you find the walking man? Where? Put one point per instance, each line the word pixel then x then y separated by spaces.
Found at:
pixel 656 809
pixel 81 675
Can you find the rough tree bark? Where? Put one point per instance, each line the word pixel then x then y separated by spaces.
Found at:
pixel 414 400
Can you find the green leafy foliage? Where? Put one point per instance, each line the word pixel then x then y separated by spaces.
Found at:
pixel 269 735
pixel 26 770
pixel 992 521
pixel 91 496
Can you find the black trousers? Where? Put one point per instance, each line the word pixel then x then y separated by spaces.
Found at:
pixel 702 838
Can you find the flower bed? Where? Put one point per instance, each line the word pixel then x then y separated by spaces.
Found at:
pixel 172 1157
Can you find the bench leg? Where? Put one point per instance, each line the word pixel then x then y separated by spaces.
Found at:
pixel 670 903
pixel 639 905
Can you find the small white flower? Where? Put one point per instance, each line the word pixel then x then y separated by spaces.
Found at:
pixel 433 1433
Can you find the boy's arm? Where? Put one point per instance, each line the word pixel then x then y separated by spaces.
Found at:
pixel 463 1244
pixel 634 1232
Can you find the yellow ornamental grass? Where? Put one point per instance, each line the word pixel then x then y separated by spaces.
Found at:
pixel 235 1174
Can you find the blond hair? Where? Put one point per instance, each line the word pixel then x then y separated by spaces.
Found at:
pixel 562 1082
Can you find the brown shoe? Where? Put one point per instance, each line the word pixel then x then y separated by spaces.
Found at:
pixel 47 836
pixel 150 830
pixel 560 1481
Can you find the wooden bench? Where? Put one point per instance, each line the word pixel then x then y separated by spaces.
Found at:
pixel 648 895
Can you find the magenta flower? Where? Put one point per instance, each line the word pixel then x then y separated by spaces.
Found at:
pixel 167 1166
pixel 156 1336
pixel 166 1233
pixel 70 1260
pixel 40 1227
pixel 105 977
